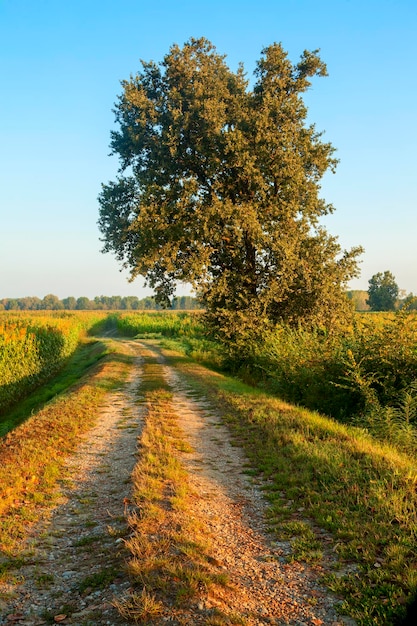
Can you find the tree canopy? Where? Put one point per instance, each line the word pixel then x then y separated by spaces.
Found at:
pixel 383 292
pixel 219 187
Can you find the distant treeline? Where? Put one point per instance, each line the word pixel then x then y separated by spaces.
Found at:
pixel 359 298
pixel 133 303
pixel 100 303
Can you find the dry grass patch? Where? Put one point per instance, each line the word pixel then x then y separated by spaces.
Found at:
pixel 32 456
pixel 170 548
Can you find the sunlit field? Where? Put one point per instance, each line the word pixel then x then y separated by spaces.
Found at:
pixel 364 374
pixel 329 420
pixel 33 348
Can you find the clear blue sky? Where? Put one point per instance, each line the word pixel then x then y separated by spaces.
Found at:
pixel 61 63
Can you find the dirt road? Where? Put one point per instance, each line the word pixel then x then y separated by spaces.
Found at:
pixel 77 564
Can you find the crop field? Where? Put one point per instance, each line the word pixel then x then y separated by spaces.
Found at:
pixel 33 348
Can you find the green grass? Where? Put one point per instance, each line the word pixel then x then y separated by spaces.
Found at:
pixel 98 580
pixel 360 491
pixel 88 541
pixel 44 580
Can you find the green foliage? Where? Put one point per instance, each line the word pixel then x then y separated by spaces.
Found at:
pixel 51 303
pixel 306 366
pixel 223 189
pixel 104 303
pixel 409 302
pixel 382 292
pixel 396 424
pixel 383 356
pixel 366 373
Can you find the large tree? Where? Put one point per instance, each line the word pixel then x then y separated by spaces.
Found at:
pixel 383 292
pixel 219 187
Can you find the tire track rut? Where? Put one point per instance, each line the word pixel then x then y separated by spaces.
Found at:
pixel 78 557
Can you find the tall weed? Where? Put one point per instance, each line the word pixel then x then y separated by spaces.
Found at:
pixel 396 424
pixel 365 373
pixel 307 367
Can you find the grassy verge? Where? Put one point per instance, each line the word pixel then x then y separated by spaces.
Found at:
pixel 32 456
pixel 170 550
pixel 322 474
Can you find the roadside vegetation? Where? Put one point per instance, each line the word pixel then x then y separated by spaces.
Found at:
pixel 348 467
pixel 364 374
pixel 352 473
pixel 32 455
pixel 322 474
pixel 34 348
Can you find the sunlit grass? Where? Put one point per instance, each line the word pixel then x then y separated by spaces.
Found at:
pixel 32 456
pixel 170 550
pixel 360 491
